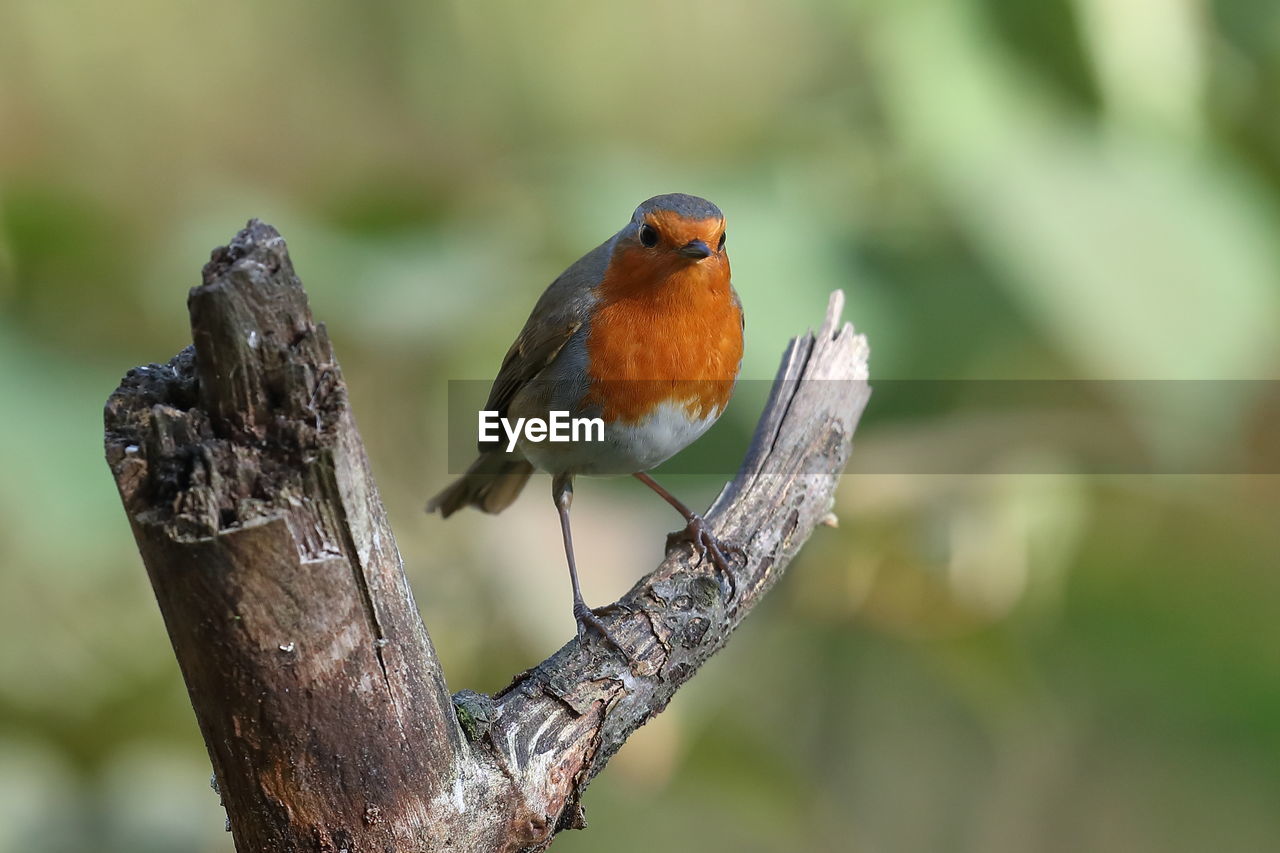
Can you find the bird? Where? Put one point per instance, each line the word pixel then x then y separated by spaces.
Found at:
pixel 645 332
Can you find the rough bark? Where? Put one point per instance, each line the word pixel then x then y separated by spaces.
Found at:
pixel 311 674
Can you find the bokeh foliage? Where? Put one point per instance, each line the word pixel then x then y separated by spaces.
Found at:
pixel 1002 662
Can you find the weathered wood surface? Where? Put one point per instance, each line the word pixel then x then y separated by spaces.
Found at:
pixel 312 676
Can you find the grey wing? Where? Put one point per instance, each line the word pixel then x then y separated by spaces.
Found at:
pixel 559 313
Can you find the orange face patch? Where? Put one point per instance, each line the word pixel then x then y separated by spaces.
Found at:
pixel 666 329
pixel 675 231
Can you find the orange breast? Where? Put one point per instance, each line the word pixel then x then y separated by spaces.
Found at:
pixel 664 332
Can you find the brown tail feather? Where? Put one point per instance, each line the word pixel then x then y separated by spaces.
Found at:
pixel 491 484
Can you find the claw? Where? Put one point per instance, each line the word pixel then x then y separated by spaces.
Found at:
pixel 587 618
pixel 707 546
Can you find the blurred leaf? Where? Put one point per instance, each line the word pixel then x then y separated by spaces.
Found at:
pixel 1046 38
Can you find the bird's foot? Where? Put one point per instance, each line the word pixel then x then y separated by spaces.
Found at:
pixel 587 618
pixel 708 547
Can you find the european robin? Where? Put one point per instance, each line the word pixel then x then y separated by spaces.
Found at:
pixel 643 332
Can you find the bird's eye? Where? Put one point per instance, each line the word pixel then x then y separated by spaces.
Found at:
pixel 720 246
pixel 648 236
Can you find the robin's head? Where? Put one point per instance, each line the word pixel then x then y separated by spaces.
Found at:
pixel 675 229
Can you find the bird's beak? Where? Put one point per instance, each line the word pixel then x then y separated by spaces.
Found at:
pixel 695 249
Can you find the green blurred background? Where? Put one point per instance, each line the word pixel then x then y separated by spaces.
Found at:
pixel 998 662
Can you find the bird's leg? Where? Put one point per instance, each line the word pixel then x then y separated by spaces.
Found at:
pixel 562 493
pixel 704 542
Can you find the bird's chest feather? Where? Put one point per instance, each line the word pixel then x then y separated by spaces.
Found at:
pixel 671 340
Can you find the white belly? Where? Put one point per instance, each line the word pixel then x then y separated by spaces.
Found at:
pixel 626 448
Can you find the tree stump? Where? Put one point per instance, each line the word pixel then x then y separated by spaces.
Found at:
pixel 312 676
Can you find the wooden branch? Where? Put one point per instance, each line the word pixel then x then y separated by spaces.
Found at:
pixel 315 685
